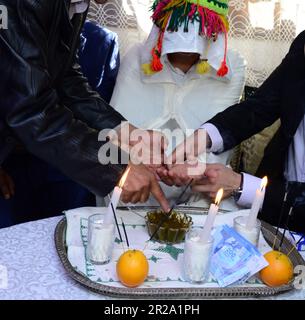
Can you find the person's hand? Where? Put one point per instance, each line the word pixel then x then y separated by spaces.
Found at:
pixel 217 176
pixel 162 173
pixel 180 174
pixel 6 185
pixel 190 148
pixel 158 171
pixel 143 146
pixel 147 147
pixel 139 184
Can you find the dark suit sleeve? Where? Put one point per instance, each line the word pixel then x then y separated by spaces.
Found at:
pixel 243 120
pixel 32 110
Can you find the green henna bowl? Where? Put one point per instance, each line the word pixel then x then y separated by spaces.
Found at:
pixel 173 230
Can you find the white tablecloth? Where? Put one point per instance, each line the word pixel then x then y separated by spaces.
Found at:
pixel 28 253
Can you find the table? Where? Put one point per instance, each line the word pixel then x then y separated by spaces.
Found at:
pixel 35 272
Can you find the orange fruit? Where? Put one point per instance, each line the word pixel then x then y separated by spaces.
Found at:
pixel 132 268
pixel 279 271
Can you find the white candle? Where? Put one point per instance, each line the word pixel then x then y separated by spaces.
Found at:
pixel 207 229
pixel 257 204
pixel 115 198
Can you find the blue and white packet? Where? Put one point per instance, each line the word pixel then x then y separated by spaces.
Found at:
pixel 234 259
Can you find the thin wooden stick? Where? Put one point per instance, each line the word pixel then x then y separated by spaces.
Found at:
pixel 296 246
pixel 280 219
pixel 116 222
pixel 117 225
pixel 126 237
pixel 287 225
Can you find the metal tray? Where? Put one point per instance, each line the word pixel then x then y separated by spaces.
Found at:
pixel 183 293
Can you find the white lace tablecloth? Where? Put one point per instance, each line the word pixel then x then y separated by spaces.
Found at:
pixel 28 253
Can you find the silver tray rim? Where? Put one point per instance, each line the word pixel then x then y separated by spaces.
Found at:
pixel 175 293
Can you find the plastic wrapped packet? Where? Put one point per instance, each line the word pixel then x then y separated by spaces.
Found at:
pixel 234 259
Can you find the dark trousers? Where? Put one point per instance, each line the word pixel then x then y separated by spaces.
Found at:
pixel 41 191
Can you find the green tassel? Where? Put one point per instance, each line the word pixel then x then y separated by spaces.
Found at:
pixel 179 17
pixel 186 23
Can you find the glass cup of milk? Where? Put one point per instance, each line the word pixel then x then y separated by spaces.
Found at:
pixel 197 257
pixel 251 235
pixel 100 240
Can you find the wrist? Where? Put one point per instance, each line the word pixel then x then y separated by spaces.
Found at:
pixel 237 186
pixel 237 181
pixel 202 141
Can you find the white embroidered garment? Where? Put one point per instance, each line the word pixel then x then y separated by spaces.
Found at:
pixel 190 99
pixel 171 99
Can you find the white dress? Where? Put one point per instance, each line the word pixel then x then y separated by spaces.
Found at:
pixel 171 99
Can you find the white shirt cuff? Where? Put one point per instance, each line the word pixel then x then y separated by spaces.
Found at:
pixel 250 185
pixel 216 138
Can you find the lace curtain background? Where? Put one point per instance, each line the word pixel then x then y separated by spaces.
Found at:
pixel 261 30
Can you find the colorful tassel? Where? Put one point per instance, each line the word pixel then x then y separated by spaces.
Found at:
pixel 172 14
pixel 181 12
pixel 223 70
pixel 225 23
pixel 203 67
pixel 193 11
pixel 146 68
pixel 156 64
pixel 159 9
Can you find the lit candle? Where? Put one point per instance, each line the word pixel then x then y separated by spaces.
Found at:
pixel 257 204
pixel 115 198
pixel 207 229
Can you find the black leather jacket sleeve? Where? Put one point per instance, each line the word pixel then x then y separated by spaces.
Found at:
pixel 86 105
pixel 34 112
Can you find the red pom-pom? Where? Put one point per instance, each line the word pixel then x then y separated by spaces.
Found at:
pixel 156 64
pixel 223 70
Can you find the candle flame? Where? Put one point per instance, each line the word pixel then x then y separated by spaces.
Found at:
pixel 264 183
pixel 219 196
pixel 123 179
